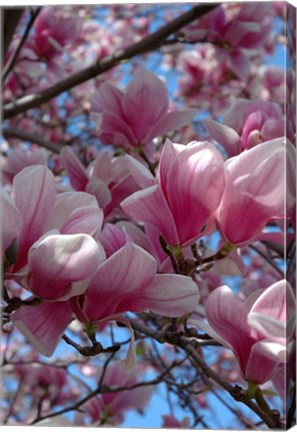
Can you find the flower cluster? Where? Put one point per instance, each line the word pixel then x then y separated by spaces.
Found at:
pixel 145 231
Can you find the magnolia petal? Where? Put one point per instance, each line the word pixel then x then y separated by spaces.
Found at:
pixel 169 152
pixel 43 325
pixel 227 137
pixel 101 167
pixel 75 169
pixel 59 260
pixel 199 167
pixel 34 192
pixel 65 204
pixel 272 350
pixel 253 12
pixel 272 128
pixel 113 238
pixel 149 91
pixel 125 187
pixel 11 221
pixel 276 302
pixel 113 124
pixel 225 311
pixel 227 314
pixel 267 326
pixel 101 191
pixel 129 363
pixel 172 295
pixel 84 220
pixel 150 206
pixel 273 310
pixel 138 236
pixel 171 121
pixel 111 291
pixel 108 98
pixel 140 173
pixel 240 65
pixel 254 192
pixel 264 359
pixel 237 31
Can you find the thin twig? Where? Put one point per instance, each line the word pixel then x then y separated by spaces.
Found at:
pixel 269 260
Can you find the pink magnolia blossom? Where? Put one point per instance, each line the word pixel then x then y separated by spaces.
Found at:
pixel 110 407
pixel 190 184
pixel 68 212
pixel 54 30
pixel 135 117
pixel 134 287
pixel 107 178
pixel 257 330
pixel 205 82
pixel 57 253
pixel 254 192
pixel 234 36
pixel 247 124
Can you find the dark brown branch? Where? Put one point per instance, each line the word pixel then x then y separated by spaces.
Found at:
pixel 31 137
pixel 13 58
pixel 90 351
pixel 144 45
pixel 10 19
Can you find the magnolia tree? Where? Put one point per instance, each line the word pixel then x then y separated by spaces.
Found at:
pixel 148 216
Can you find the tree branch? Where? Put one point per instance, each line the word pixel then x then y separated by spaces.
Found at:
pixel 31 137
pixel 146 44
